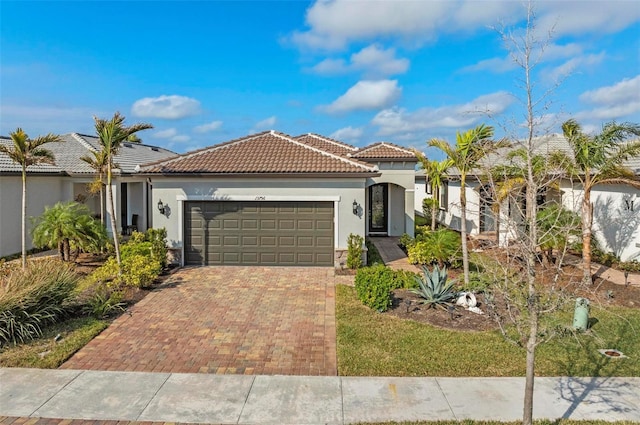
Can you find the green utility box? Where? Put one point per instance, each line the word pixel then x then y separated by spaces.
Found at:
pixel 581 314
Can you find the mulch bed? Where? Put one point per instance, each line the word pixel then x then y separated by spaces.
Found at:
pixel 602 293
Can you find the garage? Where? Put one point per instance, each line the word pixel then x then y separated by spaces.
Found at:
pixel 269 233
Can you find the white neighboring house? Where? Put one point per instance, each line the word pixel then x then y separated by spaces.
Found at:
pixel 272 199
pixel 67 180
pixel 616 208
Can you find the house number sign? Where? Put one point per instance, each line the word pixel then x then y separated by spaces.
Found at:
pixel 261 198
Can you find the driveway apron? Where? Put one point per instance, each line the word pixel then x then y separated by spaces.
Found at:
pixel 227 320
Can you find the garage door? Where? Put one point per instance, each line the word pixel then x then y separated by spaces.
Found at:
pixel 259 233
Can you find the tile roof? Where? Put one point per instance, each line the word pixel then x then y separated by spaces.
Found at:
pixel 542 145
pixel 262 153
pixel 8 166
pixel 385 150
pixel 74 146
pixel 326 144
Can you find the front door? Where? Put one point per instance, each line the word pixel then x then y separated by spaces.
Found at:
pixel 378 197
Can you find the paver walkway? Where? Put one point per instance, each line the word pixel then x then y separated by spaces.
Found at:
pixel 391 253
pixel 227 320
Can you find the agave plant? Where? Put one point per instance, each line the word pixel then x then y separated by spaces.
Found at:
pixel 434 288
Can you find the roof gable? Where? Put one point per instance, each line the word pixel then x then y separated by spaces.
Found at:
pixel 326 144
pixel 269 152
pixel 385 150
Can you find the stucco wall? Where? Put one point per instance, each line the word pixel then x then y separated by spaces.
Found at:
pixel 41 191
pixel 420 193
pixel 453 217
pixel 174 192
pixel 616 217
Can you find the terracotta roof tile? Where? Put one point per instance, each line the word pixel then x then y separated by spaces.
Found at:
pixel 262 153
pixel 385 150
pixel 327 144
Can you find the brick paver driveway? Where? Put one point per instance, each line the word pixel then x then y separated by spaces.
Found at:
pixel 245 320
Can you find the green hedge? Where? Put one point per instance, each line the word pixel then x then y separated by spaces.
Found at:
pixel 374 285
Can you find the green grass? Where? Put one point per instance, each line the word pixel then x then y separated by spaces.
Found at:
pixel 370 343
pixel 44 352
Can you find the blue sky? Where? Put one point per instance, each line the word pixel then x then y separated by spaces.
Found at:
pixel 360 71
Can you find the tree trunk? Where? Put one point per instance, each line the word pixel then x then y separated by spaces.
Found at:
pixel 24 217
pixel 61 251
pixel 434 207
pixel 587 220
pixel 112 217
pixel 463 231
pixel 66 246
pixel 101 203
pixel 527 417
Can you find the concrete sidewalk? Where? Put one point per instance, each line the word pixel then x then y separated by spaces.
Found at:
pixel 240 399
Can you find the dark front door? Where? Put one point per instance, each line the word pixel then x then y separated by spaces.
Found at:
pixel 378 199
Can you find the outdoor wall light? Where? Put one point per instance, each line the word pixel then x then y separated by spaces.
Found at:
pixel 355 207
pixel 161 207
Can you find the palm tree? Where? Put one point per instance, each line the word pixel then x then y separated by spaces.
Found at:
pixel 435 171
pixel 69 225
pixel 99 164
pixel 26 152
pixel 599 159
pixel 112 134
pixel 471 146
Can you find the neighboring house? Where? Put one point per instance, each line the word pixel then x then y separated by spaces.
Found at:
pixel 616 221
pixel 67 180
pixel 273 199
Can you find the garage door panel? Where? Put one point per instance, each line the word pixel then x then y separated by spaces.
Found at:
pixel 255 233
pixel 269 224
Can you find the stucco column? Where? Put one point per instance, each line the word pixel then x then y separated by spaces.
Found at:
pixel 115 190
pixel 409 211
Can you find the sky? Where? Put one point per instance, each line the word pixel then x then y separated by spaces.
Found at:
pixel 359 71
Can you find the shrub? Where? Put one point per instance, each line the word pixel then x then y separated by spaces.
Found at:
pixel 405 241
pixel 158 240
pixel 34 298
pixel 442 247
pixel 354 251
pixel 373 286
pixel 428 205
pixel 102 301
pixel 630 266
pixel 404 279
pixel 434 289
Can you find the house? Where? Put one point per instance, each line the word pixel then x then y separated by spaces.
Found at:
pixel 273 199
pixel 616 221
pixel 67 180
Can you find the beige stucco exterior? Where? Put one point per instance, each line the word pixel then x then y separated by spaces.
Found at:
pixel 173 192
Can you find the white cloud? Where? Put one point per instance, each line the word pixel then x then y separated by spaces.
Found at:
pixel 334 24
pixel 47 119
pixel 265 124
pixel 165 134
pixel 205 128
pixel 168 107
pixel 624 91
pixel 551 52
pixel 612 102
pixel 366 95
pixel 400 122
pixel 573 64
pixel 585 16
pixel 180 138
pixel 347 134
pixel 372 60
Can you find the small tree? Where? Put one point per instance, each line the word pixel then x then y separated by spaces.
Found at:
pixel 436 171
pixel 26 152
pixel 599 159
pixel 69 226
pixel 112 133
pixel 471 146
pixel 354 251
pixel 98 161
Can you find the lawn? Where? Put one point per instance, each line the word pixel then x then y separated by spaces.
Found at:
pixel 49 352
pixel 371 343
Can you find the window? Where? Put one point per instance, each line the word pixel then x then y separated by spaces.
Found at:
pixel 444 196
